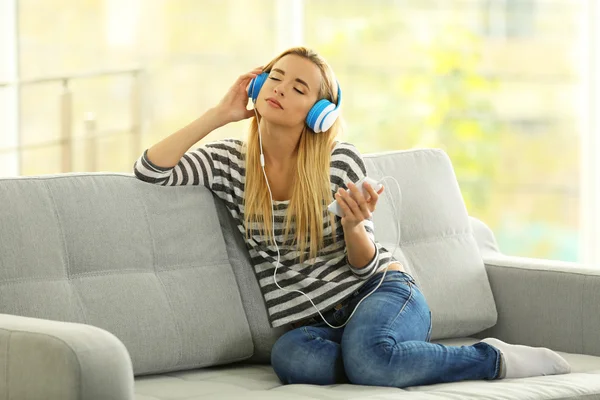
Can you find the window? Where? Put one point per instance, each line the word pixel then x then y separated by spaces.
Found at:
pixel 508 18
pixel 504 110
pixel 504 87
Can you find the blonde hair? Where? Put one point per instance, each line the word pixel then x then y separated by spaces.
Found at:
pixel 311 187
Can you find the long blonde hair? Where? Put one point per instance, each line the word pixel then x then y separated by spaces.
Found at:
pixel 311 189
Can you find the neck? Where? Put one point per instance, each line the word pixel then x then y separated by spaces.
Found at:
pixel 280 144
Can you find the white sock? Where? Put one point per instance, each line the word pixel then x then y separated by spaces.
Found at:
pixel 523 361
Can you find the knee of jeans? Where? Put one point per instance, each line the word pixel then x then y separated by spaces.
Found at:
pixel 282 359
pixel 367 365
pixel 357 372
pixel 295 361
pixel 281 348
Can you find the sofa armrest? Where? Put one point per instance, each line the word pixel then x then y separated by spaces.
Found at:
pixel 486 241
pixel 545 303
pixel 44 359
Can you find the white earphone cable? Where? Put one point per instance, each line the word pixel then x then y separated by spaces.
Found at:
pixel 262 163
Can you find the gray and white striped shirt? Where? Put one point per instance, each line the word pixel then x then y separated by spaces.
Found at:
pixel 327 279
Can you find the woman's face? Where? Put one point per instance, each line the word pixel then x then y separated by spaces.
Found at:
pixel 289 92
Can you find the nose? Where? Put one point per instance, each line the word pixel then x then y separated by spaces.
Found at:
pixel 279 90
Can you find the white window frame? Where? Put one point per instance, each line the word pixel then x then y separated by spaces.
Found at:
pixel 589 244
pixel 290 23
pixel 9 30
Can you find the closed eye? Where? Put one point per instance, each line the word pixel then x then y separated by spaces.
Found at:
pixel 275 79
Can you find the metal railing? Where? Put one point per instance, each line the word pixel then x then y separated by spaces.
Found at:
pixel 65 100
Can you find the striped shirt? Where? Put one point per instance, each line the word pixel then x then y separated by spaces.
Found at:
pixel 327 279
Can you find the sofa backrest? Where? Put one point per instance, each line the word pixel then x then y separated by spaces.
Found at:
pixel 436 241
pixel 166 270
pixel 144 262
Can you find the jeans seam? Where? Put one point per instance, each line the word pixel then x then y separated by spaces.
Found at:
pixel 402 309
pixel 498 370
pixel 428 339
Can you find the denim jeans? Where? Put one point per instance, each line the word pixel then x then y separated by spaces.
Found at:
pixel 385 343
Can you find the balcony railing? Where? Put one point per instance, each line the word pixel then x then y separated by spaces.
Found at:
pixel 65 101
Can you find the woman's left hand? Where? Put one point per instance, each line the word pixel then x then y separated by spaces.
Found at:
pixel 356 207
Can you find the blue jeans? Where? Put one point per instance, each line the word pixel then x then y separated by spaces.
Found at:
pixel 385 343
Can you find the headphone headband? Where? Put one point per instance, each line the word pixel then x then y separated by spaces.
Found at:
pixel 322 114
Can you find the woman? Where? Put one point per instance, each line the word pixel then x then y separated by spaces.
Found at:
pixel 335 261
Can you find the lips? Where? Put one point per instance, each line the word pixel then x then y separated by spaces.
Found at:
pixel 274 102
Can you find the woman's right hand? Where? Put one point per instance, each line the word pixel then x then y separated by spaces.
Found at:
pixel 233 105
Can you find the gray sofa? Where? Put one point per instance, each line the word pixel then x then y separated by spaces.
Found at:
pixel 114 288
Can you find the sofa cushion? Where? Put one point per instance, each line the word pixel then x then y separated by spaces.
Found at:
pixel 144 262
pixel 259 382
pixel 436 241
pixel 263 335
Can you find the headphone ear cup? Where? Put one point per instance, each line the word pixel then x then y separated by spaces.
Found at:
pixel 317 113
pixel 329 119
pixel 255 85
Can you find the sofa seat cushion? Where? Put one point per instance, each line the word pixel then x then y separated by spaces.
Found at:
pixel 260 382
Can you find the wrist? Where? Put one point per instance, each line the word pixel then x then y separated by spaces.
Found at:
pixel 351 228
pixel 218 117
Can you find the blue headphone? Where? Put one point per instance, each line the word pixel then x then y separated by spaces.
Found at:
pixel 320 117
